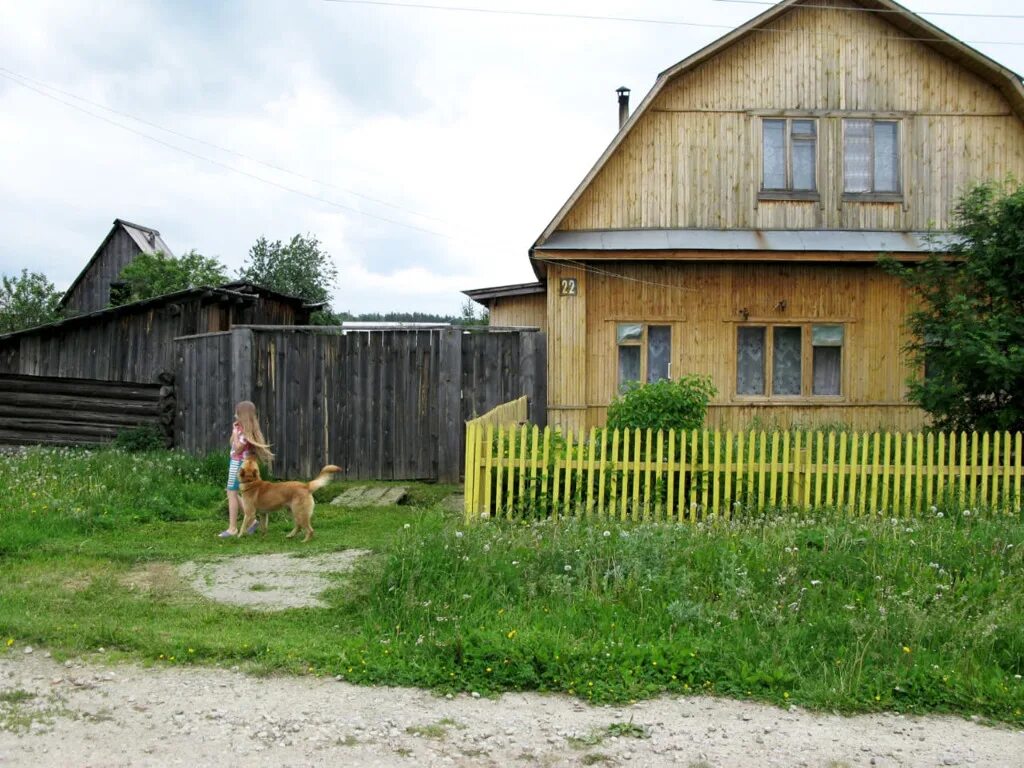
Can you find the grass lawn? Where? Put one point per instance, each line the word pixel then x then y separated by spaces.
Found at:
pixel 922 615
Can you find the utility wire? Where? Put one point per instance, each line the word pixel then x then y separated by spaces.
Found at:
pixel 227 150
pixel 615 275
pixel 232 168
pixel 629 19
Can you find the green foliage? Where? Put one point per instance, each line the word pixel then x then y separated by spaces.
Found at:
pixel 470 315
pixel 157 274
pixel 926 615
pixel 665 404
pixel 28 301
pixel 298 268
pixel 137 439
pixel 969 329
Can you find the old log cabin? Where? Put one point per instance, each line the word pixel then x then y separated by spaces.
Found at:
pixel 733 225
pixel 135 342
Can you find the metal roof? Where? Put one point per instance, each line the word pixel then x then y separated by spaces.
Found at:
pixel 818 240
pixel 148 240
pixel 503 291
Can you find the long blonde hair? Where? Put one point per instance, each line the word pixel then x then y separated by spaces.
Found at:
pixel 245 412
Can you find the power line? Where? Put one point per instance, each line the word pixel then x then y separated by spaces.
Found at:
pixel 231 168
pixel 628 19
pixel 885 10
pixel 615 275
pixel 227 150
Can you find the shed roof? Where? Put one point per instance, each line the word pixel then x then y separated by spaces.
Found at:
pixel 148 240
pixel 230 291
pixel 482 295
pixel 1005 80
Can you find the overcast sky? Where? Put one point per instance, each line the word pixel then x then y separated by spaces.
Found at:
pixel 426 149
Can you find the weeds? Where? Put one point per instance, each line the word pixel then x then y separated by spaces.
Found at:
pixel 862 614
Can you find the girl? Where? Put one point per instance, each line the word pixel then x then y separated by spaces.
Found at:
pixel 246 439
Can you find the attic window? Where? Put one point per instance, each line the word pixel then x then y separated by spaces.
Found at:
pixel 789 156
pixel 871 157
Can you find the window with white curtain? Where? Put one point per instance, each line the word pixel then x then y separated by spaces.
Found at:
pixel 871 157
pixel 795 360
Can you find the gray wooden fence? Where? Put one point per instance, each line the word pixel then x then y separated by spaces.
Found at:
pixel 62 411
pixel 382 404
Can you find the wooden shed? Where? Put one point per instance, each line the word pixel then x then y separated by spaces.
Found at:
pixel 514 306
pixel 91 290
pixel 733 226
pixel 135 342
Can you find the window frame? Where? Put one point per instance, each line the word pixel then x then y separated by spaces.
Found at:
pixel 873 195
pixel 644 344
pixel 788 192
pixel 807 348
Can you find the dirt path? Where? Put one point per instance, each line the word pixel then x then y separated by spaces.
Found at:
pixel 88 714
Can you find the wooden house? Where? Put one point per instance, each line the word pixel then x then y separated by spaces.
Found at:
pixel 135 342
pixel 91 290
pixel 514 306
pixel 733 225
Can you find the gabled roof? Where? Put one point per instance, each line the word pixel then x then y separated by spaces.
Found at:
pixel 148 240
pixel 240 292
pixel 1006 81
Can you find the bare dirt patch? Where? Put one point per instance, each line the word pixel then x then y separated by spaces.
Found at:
pixel 90 714
pixel 269 582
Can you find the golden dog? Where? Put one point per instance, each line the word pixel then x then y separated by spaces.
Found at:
pixel 260 495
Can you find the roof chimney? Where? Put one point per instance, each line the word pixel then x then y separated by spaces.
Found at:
pixel 623 92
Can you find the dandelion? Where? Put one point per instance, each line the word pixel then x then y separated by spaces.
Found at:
pixel 815 582
pixel 10 641
pixel 606 534
pixel 940 514
pixel 966 512
pixel 906 649
pixel 568 568
pixel 511 634
pixel 458 534
pixel 407 526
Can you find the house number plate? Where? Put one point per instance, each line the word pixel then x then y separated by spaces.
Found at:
pixel 569 286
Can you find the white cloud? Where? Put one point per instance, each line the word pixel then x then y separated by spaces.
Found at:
pixel 483 122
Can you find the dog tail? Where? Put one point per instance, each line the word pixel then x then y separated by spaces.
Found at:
pixel 323 478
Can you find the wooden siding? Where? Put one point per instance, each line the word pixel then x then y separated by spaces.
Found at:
pixel 133 345
pixel 92 292
pixel 694 159
pixel 385 405
pixel 702 304
pixel 515 311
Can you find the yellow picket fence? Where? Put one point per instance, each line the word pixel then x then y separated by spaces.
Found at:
pixel 515 470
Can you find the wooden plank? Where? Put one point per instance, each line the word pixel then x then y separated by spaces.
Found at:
pixel 985 470
pixel 637 474
pixel 547 506
pixel 648 489
pixel 567 485
pixel 909 463
pixel 819 468
pixel 532 500
pixel 591 460
pixel 875 472
pixel 449 399
pixel 716 498
pixel 841 476
pixel 523 450
pixel 671 513
pixel 728 474
pixel 705 480
pixel 884 508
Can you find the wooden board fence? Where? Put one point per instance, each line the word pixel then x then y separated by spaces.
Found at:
pixel 515 470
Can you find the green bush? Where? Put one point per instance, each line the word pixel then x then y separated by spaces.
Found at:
pixel 147 438
pixel 680 404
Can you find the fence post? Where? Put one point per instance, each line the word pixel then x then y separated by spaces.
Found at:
pixel 451 430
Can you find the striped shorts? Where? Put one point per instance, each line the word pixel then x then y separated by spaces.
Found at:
pixel 233 468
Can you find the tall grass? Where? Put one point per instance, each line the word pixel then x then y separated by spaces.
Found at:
pixel 922 615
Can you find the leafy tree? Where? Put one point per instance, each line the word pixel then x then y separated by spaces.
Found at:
pixel 968 330
pixel 680 404
pixel 298 268
pixel 470 315
pixel 28 301
pixel 157 274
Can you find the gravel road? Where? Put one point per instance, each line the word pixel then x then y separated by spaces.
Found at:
pixel 87 713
